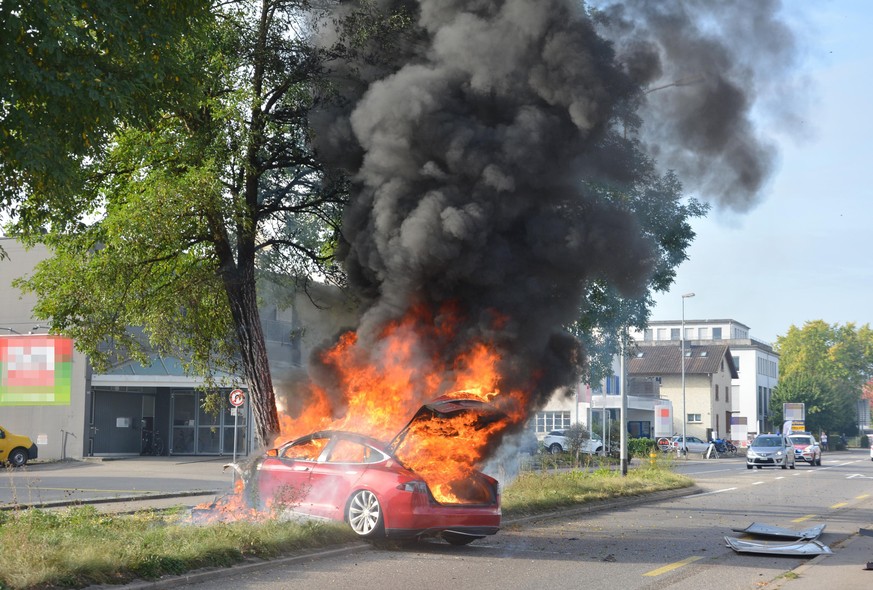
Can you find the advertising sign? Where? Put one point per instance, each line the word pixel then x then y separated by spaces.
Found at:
pixel 36 370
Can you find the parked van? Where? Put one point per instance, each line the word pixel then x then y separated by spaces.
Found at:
pixel 16 449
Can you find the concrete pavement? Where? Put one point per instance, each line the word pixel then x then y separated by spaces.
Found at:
pixel 845 569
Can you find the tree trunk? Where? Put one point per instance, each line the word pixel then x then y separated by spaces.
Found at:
pixel 243 300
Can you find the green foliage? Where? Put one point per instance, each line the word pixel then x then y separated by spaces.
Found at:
pixel 71 73
pixel 641 447
pixel 828 365
pixel 82 546
pixel 664 215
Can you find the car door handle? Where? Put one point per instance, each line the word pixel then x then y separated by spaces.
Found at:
pixel 301 468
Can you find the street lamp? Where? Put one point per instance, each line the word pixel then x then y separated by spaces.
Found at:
pixel 682 361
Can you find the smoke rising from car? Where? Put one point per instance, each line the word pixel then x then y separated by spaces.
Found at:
pixel 482 148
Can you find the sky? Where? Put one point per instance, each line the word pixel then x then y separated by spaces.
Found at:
pixel 804 253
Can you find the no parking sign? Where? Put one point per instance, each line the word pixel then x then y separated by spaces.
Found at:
pixel 237 398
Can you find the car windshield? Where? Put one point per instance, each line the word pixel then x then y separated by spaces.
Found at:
pixel 801 440
pixel 767 441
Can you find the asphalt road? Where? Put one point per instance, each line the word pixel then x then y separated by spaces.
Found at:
pixel 676 544
pixel 160 479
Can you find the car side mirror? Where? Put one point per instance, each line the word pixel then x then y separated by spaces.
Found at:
pixel 273 453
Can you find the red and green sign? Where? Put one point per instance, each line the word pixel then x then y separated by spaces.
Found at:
pixel 36 370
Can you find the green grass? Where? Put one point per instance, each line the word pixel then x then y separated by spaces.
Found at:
pixel 80 546
pixel 536 492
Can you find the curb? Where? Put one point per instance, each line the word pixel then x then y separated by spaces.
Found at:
pixel 206 575
pixel 115 499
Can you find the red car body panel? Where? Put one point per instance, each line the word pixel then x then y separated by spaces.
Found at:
pixel 317 485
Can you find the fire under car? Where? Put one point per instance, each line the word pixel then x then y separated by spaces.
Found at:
pixel 367 483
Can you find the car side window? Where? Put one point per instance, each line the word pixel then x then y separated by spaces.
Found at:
pixel 347 451
pixel 307 450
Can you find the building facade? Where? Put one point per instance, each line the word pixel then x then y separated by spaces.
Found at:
pixel 49 392
pixel 756 362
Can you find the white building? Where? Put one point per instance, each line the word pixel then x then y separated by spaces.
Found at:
pixel 756 363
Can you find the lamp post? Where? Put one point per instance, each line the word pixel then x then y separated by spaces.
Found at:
pixel 682 361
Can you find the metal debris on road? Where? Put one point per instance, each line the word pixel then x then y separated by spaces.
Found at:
pixel 766 530
pixel 803 547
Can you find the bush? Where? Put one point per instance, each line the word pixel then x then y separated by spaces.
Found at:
pixel 640 447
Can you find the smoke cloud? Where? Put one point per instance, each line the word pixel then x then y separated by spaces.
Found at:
pixel 480 157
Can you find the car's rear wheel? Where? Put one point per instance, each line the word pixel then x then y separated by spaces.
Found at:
pixel 555 448
pixel 364 514
pixel 17 458
pixel 458 539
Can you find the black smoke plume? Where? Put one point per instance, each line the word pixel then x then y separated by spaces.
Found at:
pixel 482 148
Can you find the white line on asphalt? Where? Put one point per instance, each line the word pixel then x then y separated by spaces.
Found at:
pixel 714 492
pixel 757 483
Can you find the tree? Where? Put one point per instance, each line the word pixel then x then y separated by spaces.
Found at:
pixel 840 357
pixel 190 206
pixel 71 73
pixel 823 408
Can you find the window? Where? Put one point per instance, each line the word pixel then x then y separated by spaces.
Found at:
pixel 737 363
pixel 689 333
pixel 549 421
pixel 716 333
pixel 613 385
pixel 648 335
pixel 307 450
pixel 662 333
pixel 347 451
pixel 716 392
pixel 694 418
pixel 704 334
pixel 674 333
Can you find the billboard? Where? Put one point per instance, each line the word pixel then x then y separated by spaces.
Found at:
pixel 36 370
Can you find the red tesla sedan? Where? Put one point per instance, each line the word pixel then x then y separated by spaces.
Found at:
pixel 357 479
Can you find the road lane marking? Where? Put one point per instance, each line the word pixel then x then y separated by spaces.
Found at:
pixel 672 566
pixel 781 477
pixel 839 505
pixel 802 518
pixel 757 483
pixel 714 492
pixel 862 496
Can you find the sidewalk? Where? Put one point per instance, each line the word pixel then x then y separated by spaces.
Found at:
pixel 845 569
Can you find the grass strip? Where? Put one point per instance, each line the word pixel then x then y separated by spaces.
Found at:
pixel 80 546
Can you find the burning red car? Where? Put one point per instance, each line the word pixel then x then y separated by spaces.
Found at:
pixel 375 487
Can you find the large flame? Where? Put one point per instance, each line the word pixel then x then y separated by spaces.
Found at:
pixel 379 388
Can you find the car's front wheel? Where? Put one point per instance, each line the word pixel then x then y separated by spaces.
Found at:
pixel 364 514
pixel 18 458
pixel 555 448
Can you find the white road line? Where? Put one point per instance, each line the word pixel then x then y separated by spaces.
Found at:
pixel 713 492
pixel 757 483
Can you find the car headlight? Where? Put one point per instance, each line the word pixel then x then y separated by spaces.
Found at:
pixel 779 453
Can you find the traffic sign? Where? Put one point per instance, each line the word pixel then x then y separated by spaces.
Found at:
pixel 237 398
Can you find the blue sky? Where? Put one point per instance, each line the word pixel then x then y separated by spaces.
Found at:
pixel 804 253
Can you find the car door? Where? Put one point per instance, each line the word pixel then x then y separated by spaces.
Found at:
pixel 336 474
pixel 284 480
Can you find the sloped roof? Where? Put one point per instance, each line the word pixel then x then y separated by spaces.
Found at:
pixel 700 359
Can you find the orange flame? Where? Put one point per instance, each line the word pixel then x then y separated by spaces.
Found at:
pixel 380 387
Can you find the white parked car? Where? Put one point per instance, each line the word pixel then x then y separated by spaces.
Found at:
pixel 692 445
pixel 557 442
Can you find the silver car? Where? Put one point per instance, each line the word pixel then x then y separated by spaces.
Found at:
pixel 770 450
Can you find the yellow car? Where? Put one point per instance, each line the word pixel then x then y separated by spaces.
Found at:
pixel 16 449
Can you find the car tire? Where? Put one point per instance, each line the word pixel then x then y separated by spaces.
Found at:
pixel 818 461
pixel 18 457
pixel 555 448
pixel 793 465
pixel 748 466
pixel 364 514
pixel 457 539
pixel 758 466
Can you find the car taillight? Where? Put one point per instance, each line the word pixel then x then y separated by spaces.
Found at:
pixel 413 486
